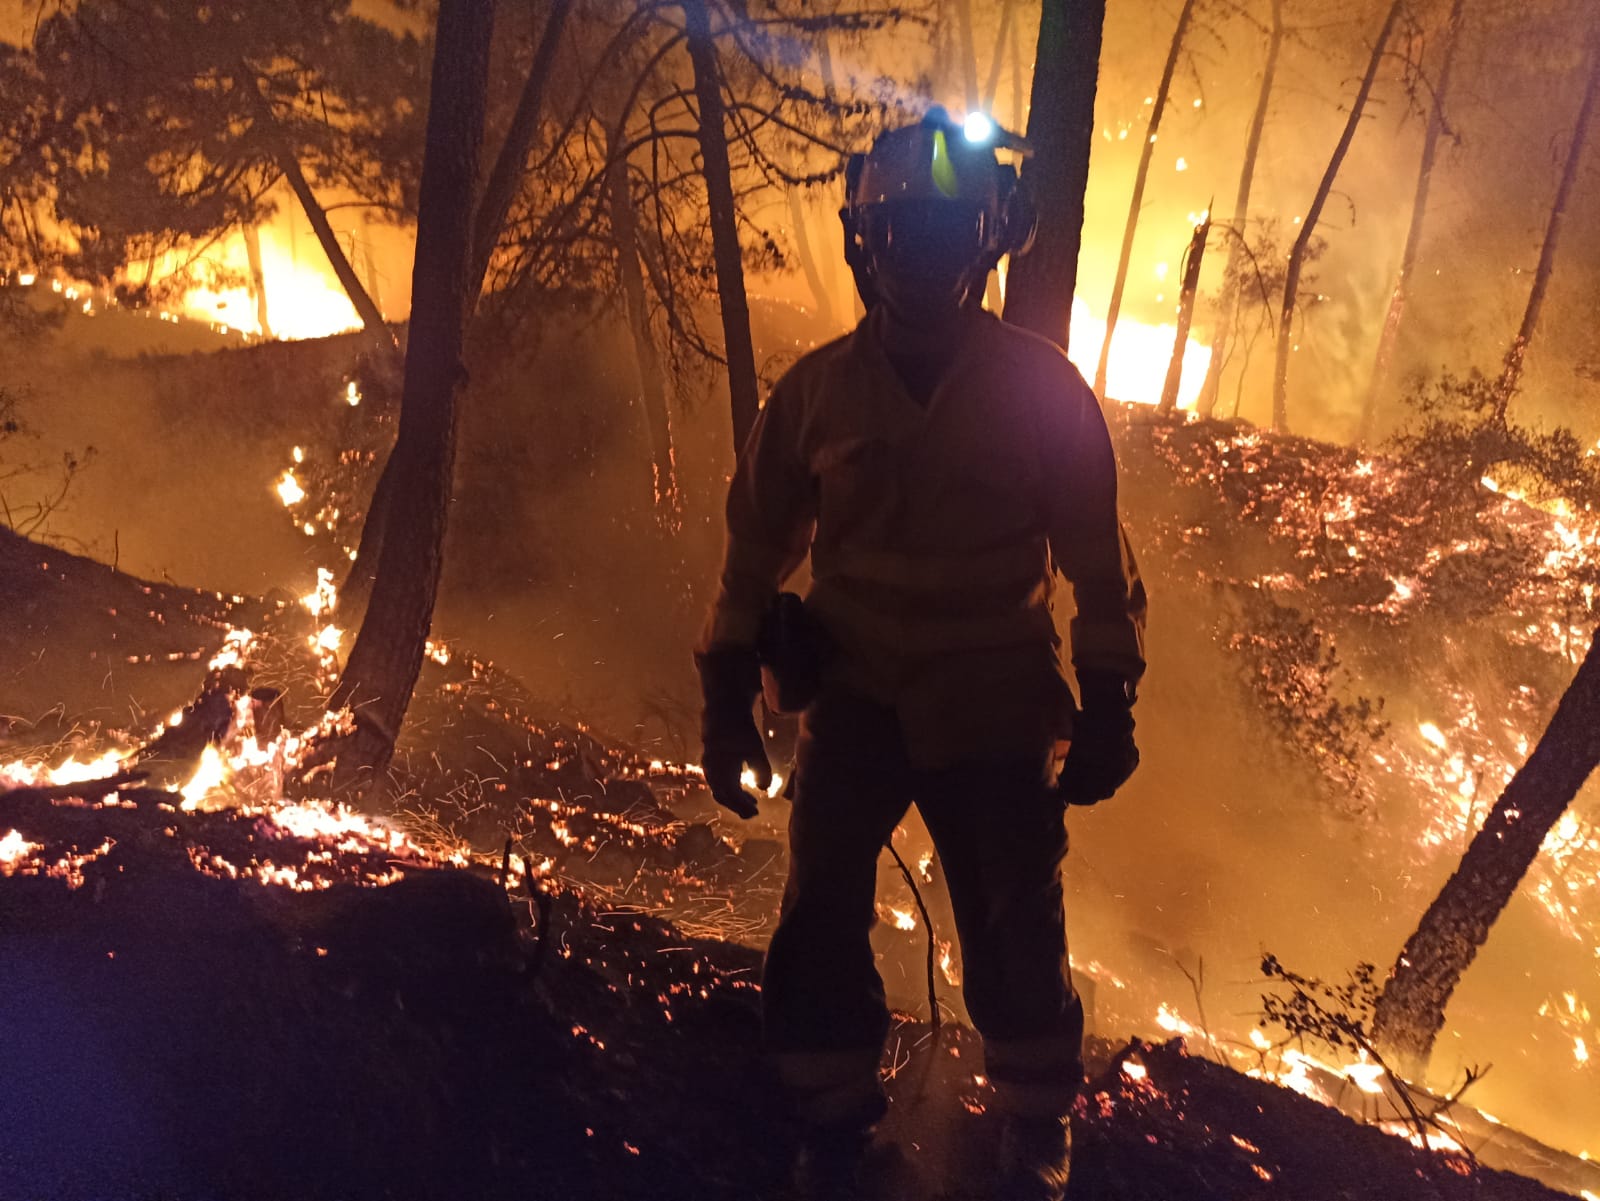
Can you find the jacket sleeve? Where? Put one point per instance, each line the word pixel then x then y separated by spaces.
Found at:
pixel 771 513
pixel 1087 541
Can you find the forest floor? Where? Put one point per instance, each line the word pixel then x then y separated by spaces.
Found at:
pixel 229 1004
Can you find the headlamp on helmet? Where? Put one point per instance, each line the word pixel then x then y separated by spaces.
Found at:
pixel 935 185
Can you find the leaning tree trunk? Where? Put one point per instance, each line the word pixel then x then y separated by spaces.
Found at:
pixel 382 669
pixel 1228 304
pixel 1297 255
pixel 652 380
pixel 371 319
pixel 1192 262
pixel 1517 355
pixel 1410 1010
pixel 258 276
pixel 1040 284
pixel 1114 307
pixel 1389 335
pixel 743 388
pixel 509 165
pixel 498 193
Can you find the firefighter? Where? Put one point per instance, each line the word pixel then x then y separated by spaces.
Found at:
pixel 938 466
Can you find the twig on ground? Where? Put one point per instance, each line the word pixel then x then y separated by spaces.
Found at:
pixel 936 1019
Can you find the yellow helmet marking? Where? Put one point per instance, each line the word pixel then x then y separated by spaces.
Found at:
pixel 944 171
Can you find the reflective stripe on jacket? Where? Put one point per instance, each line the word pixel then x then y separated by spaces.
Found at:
pixel 932 533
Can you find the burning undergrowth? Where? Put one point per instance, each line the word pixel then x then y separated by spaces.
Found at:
pixel 1359 589
pixel 1314 552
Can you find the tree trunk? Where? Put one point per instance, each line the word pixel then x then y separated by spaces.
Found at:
pixel 1297 255
pixel 500 190
pixel 969 54
pixel 371 319
pixel 1040 284
pixel 743 388
pixel 1410 1010
pixel 652 381
pixel 1001 39
pixel 369 264
pixel 1114 307
pixel 1192 262
pixel 1389 335
pixel 1228 304
pixel 1517 355
pixel 808 258
pixel 383 665
pixel 258 277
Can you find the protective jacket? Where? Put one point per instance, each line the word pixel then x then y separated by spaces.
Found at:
pixel 933 530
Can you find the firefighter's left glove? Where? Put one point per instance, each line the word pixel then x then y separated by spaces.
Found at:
pixel 1103 753
pixel 730 678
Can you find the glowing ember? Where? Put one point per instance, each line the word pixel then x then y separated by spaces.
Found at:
pixel 234 649
pixel 903 919
pixel 14 848
pixel 289 489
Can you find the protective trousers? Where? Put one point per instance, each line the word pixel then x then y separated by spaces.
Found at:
pixel 1001 837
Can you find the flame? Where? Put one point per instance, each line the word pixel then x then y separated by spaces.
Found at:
pixel 1140 354
pixel 324 598
pixel 304 300
pixel 1432 733
pixel 747 779
pixel 210 775
pixel 1365 1075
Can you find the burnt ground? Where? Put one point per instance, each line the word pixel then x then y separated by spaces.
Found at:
pixel 174 1033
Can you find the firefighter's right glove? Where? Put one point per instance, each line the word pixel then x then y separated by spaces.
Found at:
pixel 730 678
pixel 1103 753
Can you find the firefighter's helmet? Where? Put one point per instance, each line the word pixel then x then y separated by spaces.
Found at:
pixel 943 176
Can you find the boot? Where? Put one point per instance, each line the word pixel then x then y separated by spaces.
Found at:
pixel 846 1163
pixel 830 1163
pixel 1035 1158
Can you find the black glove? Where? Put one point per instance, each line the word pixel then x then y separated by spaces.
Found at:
pixel 730 677
pixel 1103 754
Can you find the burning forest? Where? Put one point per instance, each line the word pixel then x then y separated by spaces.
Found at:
pixel 410 414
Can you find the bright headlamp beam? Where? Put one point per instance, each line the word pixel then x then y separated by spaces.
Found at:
pixel 977 127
